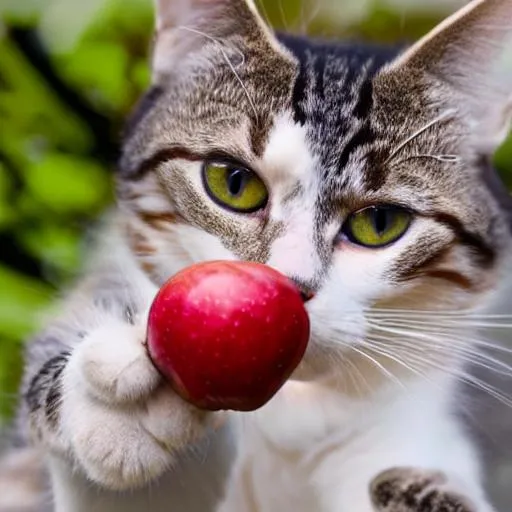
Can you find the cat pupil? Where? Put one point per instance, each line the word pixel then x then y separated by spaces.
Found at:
pixel 380 220
pixel 236 179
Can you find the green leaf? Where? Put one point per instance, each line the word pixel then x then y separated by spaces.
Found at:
pixel 11 364
pixel 99 70
pixel 22 301
pixel 503 161
pixel 7 214
pixel 68 184
pixel 16 12
pixel 57 246
pixel 140 74
pixel 32 115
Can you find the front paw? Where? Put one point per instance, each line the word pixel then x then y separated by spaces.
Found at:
pixel 123 424
pixel 416 490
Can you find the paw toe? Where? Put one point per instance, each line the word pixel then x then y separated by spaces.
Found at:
pixel 116 452
pixel 171 421
pixel 115 366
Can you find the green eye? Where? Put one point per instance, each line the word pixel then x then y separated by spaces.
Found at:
pixel 377 226
pixel 234 187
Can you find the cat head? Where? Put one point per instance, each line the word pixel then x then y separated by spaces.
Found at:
pixel 362 173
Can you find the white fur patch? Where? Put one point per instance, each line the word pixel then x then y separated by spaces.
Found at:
pixel 294 252
pixel 287 155
pixel 287 163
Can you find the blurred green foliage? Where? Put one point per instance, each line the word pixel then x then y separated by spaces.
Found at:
pixel 70 70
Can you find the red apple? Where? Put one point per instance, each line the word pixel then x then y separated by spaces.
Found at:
pixel 227 335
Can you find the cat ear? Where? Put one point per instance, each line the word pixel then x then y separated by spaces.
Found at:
pixel 467 62
pixel 185 27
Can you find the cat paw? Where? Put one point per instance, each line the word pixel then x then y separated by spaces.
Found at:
pixel 416 490
pixel 123 424
pixel 113 364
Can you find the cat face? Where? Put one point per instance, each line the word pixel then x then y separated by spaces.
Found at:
pixel 362 173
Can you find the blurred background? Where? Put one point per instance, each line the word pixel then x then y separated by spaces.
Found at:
pixel 70 71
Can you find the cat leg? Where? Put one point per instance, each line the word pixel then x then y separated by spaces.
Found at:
pixel 415 490
pixel 417 431
pixel 123 423
pixel 96 404
pixel 406 489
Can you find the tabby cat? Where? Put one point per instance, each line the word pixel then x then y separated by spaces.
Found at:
pixel 361 172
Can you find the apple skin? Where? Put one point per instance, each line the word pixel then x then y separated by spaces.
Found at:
pixel 227 334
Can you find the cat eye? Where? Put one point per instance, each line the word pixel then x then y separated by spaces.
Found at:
pixel 377 226
pixel 234 187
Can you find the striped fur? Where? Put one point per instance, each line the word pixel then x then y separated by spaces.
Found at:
pixel 330 128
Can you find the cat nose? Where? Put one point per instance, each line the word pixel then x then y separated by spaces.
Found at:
pixel 306 295
pixel 307 290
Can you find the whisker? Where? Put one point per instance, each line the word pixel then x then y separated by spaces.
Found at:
pixel 438 364
pixel 463 376
pixel 385 353
pixel 262 8
pixel 464 313
pixel 439 158
pixel 229 63
pixel 284 20
pixel 446 323
pixel 439 328
pixel 477 383
pixel 352 376
pixel 448 113
pixel 340 357
pixel 426 341
pixel 490 390
pixel 428 336
pixel 477 358
pixel 381 367
pixel 306 19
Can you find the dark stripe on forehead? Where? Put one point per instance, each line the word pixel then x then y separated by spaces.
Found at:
pixel 333 95
pixel 313 55
pixel 299 91
pixel 376 173
pixel 258 133
pixel 365 135
pixel 365 102
pixel 319 68
pixel 298 97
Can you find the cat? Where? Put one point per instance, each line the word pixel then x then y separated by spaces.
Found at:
pixel 363 174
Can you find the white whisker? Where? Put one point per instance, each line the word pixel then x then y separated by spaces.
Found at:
pixel 439 158
pixel 436 360
pixel 263 10
pixel 434 336
pixel 426 341
pixel 464 353
pixel 283 15
pixel 447 323
pixel 371 345
pixel 445 115
pixel 352 376
pixel 463 313
pixel 229 63
pixel 381 367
